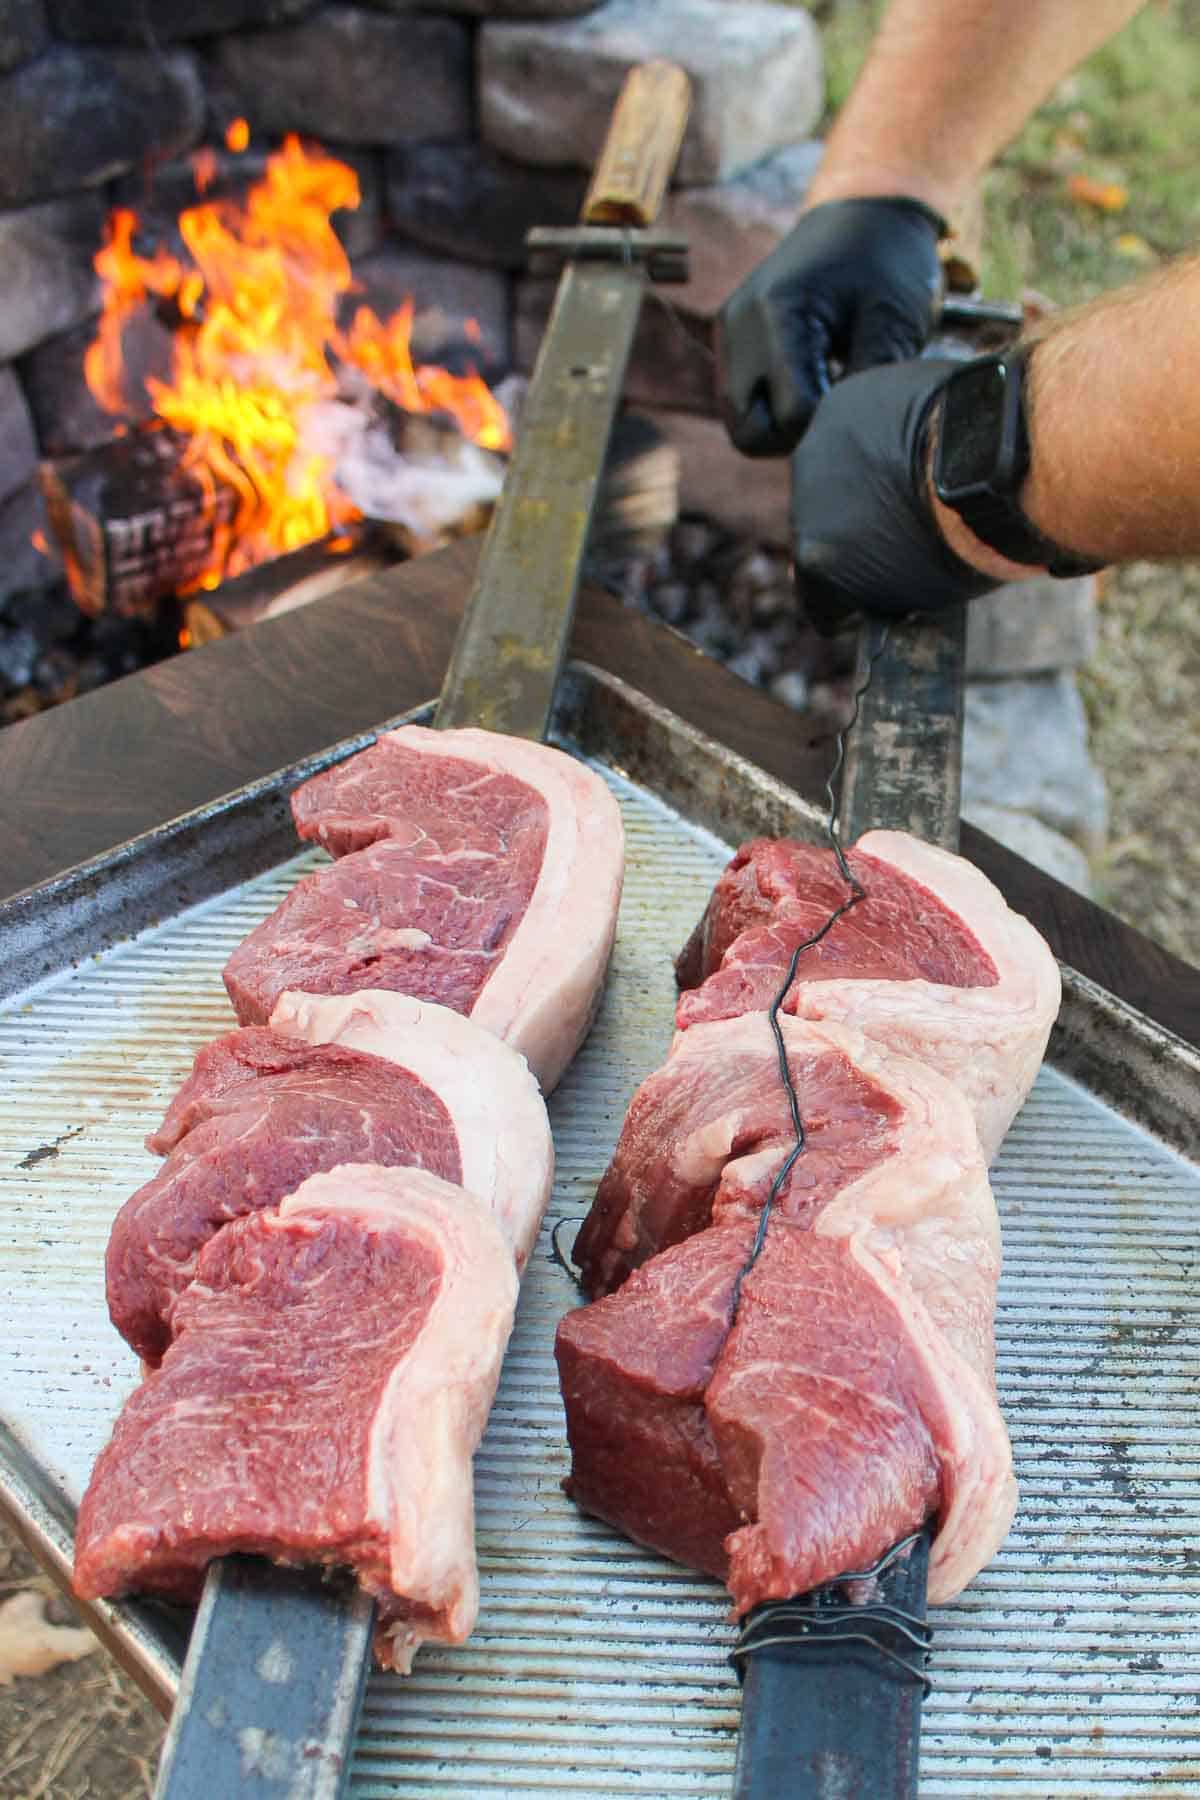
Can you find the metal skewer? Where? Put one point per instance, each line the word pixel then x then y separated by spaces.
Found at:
pixel 237 1727
pixel 833 1681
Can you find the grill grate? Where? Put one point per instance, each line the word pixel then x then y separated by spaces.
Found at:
pixel 1070 1667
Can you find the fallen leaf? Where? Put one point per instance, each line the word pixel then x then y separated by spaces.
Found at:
pixel 1105 196
pixel 1134 248
pixel 30 1644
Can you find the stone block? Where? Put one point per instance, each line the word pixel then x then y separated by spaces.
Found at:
pixel 546 90
pixel 445 295
pixel 746 495
pixel 350 76
pixel 76 117
pixel 496 9
pixel 166 21
pixel 65 415
pixel 161 191
pixel 732 226
pixel 18 449
pixel 1047 850
pixel 469 202
pixel 23 31
pixel 672 361
pixel 1032 627
pixel 1025 748
pixel 48 283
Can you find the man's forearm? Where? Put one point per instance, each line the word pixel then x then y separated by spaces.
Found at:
pixel 1113 401
pixel 945 87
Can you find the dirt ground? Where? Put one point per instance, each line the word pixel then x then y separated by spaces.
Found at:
pixel 81 1731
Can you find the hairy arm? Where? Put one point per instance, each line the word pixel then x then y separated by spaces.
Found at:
pixel 1114 428
pixel 945 87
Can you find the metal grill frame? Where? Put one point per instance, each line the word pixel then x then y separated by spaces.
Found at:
pixel 1070 1667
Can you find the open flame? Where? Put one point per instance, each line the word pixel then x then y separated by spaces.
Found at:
pixel 258 346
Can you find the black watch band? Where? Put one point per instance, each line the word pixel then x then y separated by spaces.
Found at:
pixel 982 457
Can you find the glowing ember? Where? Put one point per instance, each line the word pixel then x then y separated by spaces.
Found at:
pixel 259 344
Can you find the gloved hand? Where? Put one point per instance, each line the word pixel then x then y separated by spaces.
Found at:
pixel 864 532
pixel 857 281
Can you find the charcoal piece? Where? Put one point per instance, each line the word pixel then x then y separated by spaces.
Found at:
pixel 76 117
pixel 22 31
pixel 792 688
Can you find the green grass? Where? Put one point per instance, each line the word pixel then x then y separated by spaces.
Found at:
pixel 1129 115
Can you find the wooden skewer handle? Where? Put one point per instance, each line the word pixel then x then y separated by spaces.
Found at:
pixel 641 148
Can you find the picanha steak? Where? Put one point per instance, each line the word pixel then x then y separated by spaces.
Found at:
pixel 332 1368
pixel 852 1395
pixel 932 962
pixel 787 1366
pixel 474 870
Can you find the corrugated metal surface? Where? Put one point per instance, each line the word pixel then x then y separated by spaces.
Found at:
pixel 1071 1667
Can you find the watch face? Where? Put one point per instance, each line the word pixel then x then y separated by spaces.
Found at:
pixel 972 426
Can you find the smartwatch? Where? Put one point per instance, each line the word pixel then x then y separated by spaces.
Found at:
pixel 982 458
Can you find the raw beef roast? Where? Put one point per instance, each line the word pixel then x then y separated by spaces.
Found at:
pixel 263 1109
pixel 932 963
pixel 332 1368
pixel 476 870
pixel 499 1115
pixel 258 1114
pixel 854 1395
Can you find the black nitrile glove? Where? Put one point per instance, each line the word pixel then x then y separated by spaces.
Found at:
pixel 864 534
pixel 856 283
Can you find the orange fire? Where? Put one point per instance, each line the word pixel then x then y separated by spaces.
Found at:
pixel 257 346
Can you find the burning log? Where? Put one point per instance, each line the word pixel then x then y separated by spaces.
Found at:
pixel 135 524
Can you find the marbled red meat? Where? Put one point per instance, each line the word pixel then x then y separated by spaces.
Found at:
pixel 854 1395
pixel 784 891
pixel 331 1372
pixel 478 871
pixel 706 1133
pixel 258 1114
pixel 932 963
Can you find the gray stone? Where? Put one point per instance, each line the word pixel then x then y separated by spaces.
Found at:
pixel 350 76
pixel 792 688
pixel 445 296
pixel 22 565
pixel 165 21
pixel 1047 850
pixel 161 191
pixel 18 450
pixel 48 283
pixel 1025 748
pixel 23 31
pixel 672 362
pixel 76 117
pixel 1032 627
pixel 546 91
pixel 496 9
pixel 749 496
pixel 467 201
pixel 66 416
pixel 732 226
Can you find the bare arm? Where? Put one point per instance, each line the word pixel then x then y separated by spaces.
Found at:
pixel 1113 409
pixel 945 87
pixel 1114 428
